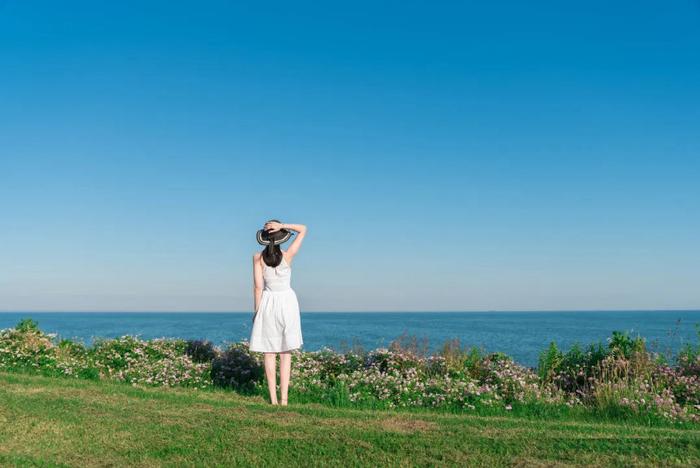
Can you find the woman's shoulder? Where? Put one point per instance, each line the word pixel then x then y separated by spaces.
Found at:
pixel 287 257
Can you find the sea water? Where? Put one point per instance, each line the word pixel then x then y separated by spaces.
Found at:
pixel 522 335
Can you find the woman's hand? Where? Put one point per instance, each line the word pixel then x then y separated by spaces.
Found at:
pixel 273 226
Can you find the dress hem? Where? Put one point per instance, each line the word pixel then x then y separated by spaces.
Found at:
pixel 274 351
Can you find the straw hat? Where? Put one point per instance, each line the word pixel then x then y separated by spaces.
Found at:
pixel 275 238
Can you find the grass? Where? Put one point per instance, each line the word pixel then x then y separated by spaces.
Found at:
pixel 46 421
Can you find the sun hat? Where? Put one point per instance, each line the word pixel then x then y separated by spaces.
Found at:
pixel 275 238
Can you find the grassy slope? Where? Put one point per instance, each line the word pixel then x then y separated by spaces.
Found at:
pixel 82 423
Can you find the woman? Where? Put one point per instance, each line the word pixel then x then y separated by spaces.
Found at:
pixel 277 321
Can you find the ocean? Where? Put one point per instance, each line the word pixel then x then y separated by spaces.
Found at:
pixel 522 335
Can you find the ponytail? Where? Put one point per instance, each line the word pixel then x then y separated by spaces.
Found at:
pixel 272 255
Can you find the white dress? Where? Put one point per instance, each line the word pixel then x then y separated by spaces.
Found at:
pixel 277 324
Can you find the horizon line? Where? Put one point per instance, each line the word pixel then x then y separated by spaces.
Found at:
pixel 344 311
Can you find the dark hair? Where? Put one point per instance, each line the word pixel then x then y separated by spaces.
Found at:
pixel 272 254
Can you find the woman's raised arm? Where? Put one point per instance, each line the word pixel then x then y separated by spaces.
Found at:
pixel 298 239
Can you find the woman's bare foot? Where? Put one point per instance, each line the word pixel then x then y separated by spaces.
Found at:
pixel 284 402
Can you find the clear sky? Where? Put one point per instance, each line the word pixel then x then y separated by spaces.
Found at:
pixel 445 155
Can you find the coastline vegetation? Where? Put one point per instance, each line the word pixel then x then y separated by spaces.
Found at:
pixel 620 380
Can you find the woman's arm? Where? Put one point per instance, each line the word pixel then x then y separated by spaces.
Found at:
pixel 257 282
pixel 298 239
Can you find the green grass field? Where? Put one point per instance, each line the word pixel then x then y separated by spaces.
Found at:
pixel 48 421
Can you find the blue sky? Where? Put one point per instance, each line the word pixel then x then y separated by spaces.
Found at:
pixel 452 156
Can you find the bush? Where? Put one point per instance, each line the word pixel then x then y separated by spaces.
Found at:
pixel 27 348
pixel 237 368
pixel 27 325
pixel 621 344
pixel 549 362
pixel 458 361
pixel 200 350
pixel 160 362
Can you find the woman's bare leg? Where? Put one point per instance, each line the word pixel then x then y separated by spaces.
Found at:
pixel 271 374
pixel 285 371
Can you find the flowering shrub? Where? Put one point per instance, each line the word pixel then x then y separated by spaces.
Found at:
pixel 396 378
pixel 27 348
pixel 623 376
pixel 160 361
pixel 512 382
pixel 685 388
pixel 322 369
pixel 391 376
